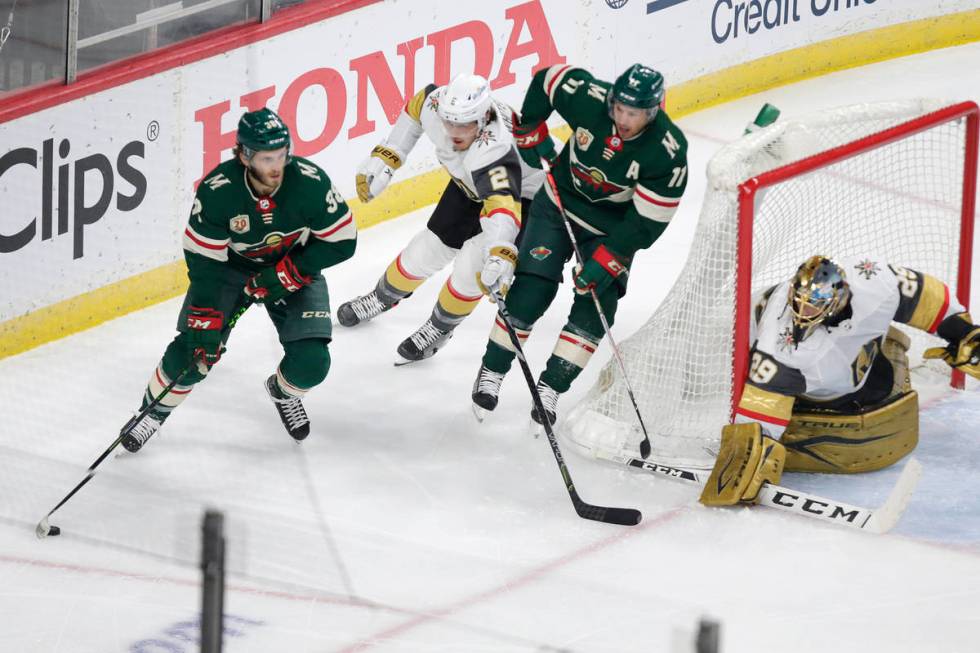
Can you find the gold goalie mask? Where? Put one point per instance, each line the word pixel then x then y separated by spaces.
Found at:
pixel 818 292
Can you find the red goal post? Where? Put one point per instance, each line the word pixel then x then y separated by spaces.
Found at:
pixel 895 181
pixel 746 214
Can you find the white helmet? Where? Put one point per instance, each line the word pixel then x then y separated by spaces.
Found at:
pixel 466 99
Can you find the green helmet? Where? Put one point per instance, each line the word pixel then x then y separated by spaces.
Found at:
pixel 262 130
pixel 641 87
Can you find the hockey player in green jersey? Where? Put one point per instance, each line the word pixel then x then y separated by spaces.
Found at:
pixel 263 226
pixel 620 179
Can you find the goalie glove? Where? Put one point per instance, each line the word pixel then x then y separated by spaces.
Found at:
pixel 498 269
pixel 963 351
pixel 204 336
pixel 376 171
pixel 273 283
pixel 534 143
pixel 599 271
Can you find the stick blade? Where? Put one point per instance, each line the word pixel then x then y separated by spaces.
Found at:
pixel 885 517
pixel 645 448
pixel 42 529
pixel 618 516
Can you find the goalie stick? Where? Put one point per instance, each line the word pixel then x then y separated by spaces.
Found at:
pixel 873 520
pixel 621 516
pixel 44 528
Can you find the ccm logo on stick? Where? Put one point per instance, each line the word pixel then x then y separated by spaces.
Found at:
pixel 815 507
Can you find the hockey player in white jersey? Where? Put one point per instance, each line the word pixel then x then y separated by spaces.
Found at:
pixel 477 219
pixel 828 388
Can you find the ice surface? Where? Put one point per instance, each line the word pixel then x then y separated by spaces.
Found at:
pixel 402 525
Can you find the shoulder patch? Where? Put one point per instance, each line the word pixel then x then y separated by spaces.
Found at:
pixel 308 169
pixel 216 181
pixel 414 106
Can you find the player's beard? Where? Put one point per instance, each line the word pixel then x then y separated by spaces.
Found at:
pixel 268 183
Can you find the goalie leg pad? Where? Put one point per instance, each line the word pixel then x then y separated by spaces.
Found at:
pixel 747 459
pixel 848 444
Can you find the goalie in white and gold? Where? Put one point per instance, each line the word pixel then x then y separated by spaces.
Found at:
pixel 828 388
pixel 477 220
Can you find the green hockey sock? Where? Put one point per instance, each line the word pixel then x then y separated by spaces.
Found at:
pixel 559 373
pixel 306 362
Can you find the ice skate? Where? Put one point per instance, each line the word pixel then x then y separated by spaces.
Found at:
pixel 486 390
pixel 422 344
pixel 363 308
pixel 136 434
pixel 290 409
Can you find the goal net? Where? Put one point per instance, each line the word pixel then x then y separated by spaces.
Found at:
pixel 895 182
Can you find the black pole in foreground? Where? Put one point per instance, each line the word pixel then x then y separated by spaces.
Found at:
pixel 212 581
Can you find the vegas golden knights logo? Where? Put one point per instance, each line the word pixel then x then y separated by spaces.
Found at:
pixel 864 360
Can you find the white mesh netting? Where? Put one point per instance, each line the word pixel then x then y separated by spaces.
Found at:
pixel 899 202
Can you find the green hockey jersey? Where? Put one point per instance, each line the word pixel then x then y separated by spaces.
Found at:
pixel 233 226
pixel 627 190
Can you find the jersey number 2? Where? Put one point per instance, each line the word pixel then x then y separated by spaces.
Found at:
pixel 498 178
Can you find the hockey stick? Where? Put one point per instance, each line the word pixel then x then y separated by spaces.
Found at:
pixel 621 516
pixel 645 443
pixel 43 528
pixel 873 520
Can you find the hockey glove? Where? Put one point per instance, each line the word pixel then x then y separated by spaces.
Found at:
pixel 376 171
pixel 273 283
pixel 963 351
pixel 534 143
pixel 204 336
pixel 498 269
pixel 599 271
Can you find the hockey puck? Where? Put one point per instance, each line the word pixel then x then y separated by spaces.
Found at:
pixel 54 531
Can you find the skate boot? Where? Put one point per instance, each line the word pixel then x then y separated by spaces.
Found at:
pixel 549 399
pixel 291 410
pixel 486 390
pixel 423 344
pixel 363 308
pixel 136 434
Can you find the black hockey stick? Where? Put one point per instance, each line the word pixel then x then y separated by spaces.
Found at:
pixel 645 443
pixel 621 516
pixel 43 528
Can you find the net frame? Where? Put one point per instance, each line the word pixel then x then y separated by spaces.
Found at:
pixel 739 181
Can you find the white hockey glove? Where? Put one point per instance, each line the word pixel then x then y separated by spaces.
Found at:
pixel 498 269
pixel 376 171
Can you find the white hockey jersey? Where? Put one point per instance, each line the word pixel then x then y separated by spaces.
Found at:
pixel 833 361
pixel 477 169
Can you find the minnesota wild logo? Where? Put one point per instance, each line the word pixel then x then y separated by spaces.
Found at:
pixel 540 253
pixel 272 245
pixel 594 179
